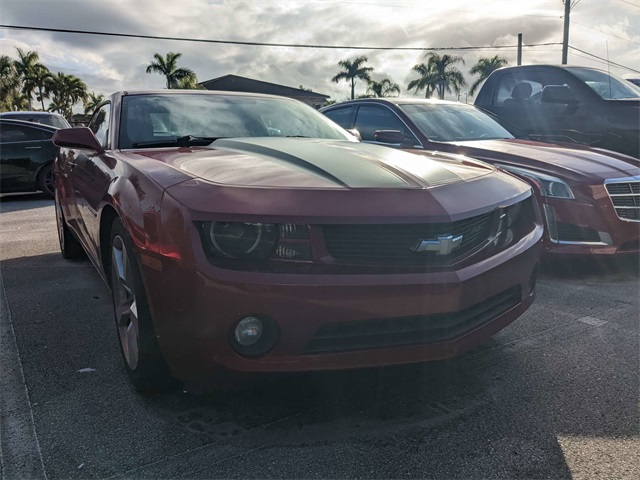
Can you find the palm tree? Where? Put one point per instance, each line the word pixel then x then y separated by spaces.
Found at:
pixel 169 68
pixel 428 80
pixel 484 67
pixel 353 70
pixel 40 79
pixel 67 91
pixel 25 66
pixel 447 75
pixel 9 82
pixel 190 83
pixel 91 102
pixel 383 88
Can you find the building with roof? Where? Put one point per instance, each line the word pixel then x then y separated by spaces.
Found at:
pixel 236 83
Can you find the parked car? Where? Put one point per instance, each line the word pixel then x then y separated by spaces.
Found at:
pixel 562 103
pixel 590 197
pixel 46 118
pixel 26 157
pixel 248 233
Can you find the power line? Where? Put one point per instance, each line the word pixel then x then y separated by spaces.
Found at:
pixel 606 33
pixel 604 59
pixel 630 3
pixel 265 44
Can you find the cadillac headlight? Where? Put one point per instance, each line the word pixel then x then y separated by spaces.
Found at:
pixel 547 185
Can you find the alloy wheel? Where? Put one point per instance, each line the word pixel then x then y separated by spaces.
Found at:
pixel 125 302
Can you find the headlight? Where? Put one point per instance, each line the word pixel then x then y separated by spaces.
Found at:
pixel 242 240
pixel 549 186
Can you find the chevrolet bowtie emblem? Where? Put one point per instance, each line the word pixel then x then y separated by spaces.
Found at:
pixel 441 245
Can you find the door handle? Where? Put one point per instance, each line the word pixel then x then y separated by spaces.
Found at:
pixel 32 148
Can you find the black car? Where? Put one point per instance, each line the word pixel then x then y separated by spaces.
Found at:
pixel 564 103
pixel 46 118
pixel 26 157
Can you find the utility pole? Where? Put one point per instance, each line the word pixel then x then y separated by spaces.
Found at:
pixel 565 36
pixel 519 49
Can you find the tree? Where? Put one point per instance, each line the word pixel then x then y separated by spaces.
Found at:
pixel 9 83
pixel 66 91
pixel 484 67
pixel 428 80
pixel 91 102
pixel 25 68
pixel 353 70
pixel 40 79
pixel 447 76
pixel 169 68
pixel 383 88
pixel 190 83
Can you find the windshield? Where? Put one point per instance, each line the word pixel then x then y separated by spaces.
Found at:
pixel 606 85
pixel 163 119
pixel 452 122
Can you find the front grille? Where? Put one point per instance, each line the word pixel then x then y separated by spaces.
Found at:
pixel 625 197
pixel 392 244
pixel 408 331
pixel 568 232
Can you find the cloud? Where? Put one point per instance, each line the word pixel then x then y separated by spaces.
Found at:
pixel 108 64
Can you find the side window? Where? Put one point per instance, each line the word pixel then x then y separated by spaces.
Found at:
pixel 371 118
pixel 14 133
pixel 341 116
pixel 526 88
pixel 99 124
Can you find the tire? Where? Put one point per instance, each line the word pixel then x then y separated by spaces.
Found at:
pixel 70 247
pixel 45 180
pixel 143 360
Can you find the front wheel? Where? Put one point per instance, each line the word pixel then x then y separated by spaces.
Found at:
pixel 70 247
pixel 45 180
pixel 143 360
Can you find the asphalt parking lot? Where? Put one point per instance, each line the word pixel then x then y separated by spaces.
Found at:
pixel 554 395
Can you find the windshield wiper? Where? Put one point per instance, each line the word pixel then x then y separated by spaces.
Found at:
pixel 185 141
pixel 190 140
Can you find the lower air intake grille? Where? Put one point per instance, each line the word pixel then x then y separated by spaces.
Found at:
pixel 406 331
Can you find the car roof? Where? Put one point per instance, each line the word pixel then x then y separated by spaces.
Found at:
pixel 30 113
pixel 398 101
pixel 196 92
pixel 25 123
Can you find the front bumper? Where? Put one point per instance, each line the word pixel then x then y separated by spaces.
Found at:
pixel 196 306
pixel 580 227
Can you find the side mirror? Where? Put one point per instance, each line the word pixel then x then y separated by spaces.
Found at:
pixel 355 133
pixel 389 136
pixel 558 94
pixel 77 137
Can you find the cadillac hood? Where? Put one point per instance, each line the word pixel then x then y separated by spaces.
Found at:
pixel 323 178
pixel 577 162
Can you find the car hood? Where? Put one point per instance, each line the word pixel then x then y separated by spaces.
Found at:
pixel 570 161
pixel 314 163
pixel 334 179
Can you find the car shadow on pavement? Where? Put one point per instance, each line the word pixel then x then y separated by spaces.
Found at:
pixel 620 267
pixel 13 202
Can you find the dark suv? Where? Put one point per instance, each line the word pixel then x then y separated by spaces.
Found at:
pixel 561 103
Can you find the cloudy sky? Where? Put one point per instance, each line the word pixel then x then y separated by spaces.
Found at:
pixel 599 28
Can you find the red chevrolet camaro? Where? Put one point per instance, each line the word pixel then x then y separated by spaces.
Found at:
pixel 246 233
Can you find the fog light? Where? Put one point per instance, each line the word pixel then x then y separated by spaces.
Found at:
pixel 248 331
